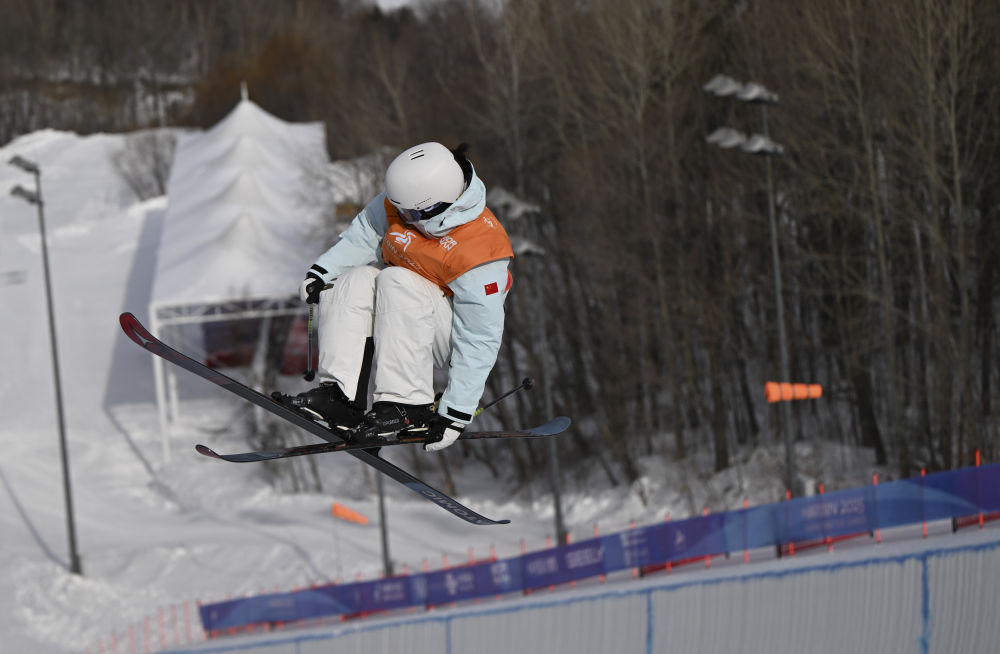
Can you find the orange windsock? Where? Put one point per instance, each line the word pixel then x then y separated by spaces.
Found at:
pixel 340 511
pixel 785 392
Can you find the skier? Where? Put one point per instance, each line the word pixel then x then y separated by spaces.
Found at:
pixel 424 269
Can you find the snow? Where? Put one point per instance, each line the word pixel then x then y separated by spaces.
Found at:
pixel 156 534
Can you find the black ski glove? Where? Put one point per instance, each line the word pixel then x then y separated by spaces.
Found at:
pixel 442 432
pixel 312 285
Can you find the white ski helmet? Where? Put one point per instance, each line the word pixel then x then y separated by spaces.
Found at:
pixel 424 181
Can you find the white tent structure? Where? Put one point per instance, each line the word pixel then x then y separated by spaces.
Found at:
pixel 236 236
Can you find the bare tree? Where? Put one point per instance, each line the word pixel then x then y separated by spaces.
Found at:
pixel 144 162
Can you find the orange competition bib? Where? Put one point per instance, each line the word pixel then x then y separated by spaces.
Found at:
pixel 443 260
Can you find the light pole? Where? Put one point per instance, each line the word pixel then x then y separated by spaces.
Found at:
pixel 553 453
pixel 36 199
pixel 383 526
pixel 762 145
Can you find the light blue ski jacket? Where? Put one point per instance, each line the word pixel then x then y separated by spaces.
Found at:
pixel 478 316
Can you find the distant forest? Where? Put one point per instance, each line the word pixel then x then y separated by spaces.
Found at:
pixel 652 311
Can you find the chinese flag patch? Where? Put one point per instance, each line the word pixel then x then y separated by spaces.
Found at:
pixel 492 288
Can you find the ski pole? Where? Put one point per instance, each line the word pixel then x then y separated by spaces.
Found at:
pixel 526 384
pixel 310 373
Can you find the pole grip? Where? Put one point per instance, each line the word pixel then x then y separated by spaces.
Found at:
pixel 310 373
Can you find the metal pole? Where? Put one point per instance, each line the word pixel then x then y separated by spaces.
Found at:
pixel 386 559
pixel 554 470
pixel 779 307
pixel 74 557
pixel 560 527
pixel 160 387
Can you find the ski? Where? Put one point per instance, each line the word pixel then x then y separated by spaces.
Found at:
pixel 144 339
pixel 551 428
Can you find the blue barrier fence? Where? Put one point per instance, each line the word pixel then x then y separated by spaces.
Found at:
pixel 939 496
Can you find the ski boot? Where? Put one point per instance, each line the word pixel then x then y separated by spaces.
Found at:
pixel 386 420
pixel 328 403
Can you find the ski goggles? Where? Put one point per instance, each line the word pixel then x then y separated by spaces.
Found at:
pixel 413 216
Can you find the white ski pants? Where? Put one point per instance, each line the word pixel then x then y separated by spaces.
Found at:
pixel 410 318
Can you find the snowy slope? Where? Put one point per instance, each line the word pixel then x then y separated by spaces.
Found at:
pixel 152 534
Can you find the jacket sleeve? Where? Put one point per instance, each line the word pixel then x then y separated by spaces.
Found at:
pixel 358 245
pixel 476 333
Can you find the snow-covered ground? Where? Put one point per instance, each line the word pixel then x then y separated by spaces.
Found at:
pixel 153 533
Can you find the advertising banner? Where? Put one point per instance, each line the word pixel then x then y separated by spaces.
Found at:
pixel 958 493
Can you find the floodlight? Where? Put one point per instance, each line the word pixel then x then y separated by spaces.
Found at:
pixel 759 144
pixel 24 194
pixel 756 93
pixel 24 164
pixel 723 86
pixel 727 137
